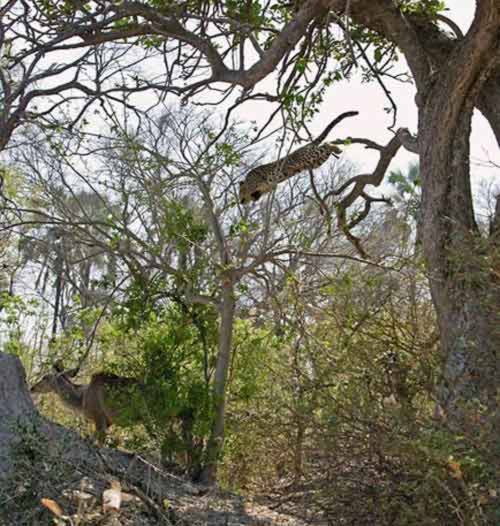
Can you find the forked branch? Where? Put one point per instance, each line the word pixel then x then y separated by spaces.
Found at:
pixel 357 187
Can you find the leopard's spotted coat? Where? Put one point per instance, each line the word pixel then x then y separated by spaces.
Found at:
pixel 265 177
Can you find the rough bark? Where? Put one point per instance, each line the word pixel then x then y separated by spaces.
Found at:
pixel 462 291
pixel 461 283
pixel 452 75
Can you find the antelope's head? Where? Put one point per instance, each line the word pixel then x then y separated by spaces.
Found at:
pixel 48 382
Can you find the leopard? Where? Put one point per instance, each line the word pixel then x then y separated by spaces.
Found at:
pixel 266 177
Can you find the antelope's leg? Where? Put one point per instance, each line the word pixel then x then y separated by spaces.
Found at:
pixel 101 425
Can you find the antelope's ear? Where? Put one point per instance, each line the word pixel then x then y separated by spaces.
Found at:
pixel 58 366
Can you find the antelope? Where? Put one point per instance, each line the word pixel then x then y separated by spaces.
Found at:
pixel 104 399
pixel 101 401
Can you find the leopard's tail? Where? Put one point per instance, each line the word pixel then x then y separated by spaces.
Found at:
pixel 334 123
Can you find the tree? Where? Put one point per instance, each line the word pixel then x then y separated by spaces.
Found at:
pixel 161 202
pixel 453 74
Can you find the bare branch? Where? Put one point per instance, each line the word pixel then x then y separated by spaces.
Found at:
pixel 358 190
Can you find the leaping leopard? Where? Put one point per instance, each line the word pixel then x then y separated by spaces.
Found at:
pixel 265 177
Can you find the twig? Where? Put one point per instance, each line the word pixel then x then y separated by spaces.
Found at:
pixel 150 503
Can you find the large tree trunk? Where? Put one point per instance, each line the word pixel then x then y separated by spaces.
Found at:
pixel 459 259
pixel 453 74
pixel 463 288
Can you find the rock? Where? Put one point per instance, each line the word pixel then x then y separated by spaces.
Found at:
pixel 16 407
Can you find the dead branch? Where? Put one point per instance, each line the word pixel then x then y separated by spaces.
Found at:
pixel 357 185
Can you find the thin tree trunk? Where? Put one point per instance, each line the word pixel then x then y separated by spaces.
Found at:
pixel 58 292
pixel 57 303
pixel 216 440
pixel 298 454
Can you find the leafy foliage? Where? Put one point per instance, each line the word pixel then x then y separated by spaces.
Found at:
pixel 343 413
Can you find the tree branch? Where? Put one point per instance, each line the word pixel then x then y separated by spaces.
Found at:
pixel 359 184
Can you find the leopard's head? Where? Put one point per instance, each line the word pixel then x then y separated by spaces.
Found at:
pixel 336 151
pixel 249 192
